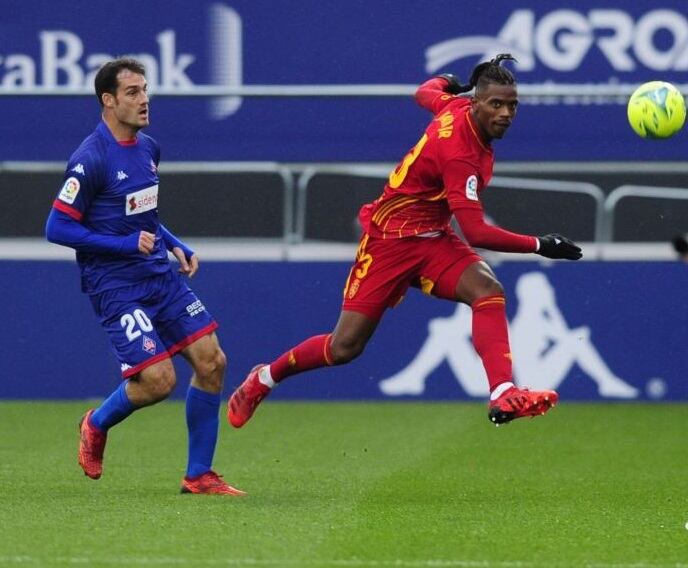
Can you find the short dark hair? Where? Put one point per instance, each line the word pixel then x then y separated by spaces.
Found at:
pixel 106 78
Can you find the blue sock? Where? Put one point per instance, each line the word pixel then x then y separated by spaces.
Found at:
pixel 202 422
pixel 114 409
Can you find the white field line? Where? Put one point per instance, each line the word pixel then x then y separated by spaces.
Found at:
pixel 343 563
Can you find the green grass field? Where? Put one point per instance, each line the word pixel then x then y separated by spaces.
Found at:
pixel 354 485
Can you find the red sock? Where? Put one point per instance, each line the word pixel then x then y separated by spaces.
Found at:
pixel 491 338
pixel 311 354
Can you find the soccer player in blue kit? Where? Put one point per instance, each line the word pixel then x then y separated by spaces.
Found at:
pixel 107 210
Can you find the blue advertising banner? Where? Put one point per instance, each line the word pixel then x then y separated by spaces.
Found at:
pixel 593 331
pixel 44 45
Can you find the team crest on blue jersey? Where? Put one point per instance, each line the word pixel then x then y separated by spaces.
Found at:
pixel 69 190
pixel 149 345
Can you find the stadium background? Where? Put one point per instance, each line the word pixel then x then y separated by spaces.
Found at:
pixel 311 107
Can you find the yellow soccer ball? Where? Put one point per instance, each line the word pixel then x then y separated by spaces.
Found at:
pixel 656 110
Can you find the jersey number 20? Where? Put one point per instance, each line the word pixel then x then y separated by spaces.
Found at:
pixel 137 318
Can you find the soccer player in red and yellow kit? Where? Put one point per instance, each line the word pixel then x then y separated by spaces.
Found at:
pixel 408 242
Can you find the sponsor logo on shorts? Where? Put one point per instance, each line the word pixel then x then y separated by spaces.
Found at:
pixel 142 200
pixel 69 190
pixel 196 308
pixel 354 288
pixel 148 345
pixel 472 188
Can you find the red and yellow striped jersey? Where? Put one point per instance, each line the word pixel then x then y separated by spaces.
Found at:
pixel 446 170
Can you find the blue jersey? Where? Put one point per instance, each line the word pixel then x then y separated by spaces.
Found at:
pixel 111 188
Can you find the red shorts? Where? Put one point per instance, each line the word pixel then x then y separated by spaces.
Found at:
pixel 385 268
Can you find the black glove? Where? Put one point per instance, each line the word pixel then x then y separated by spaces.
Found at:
pixel 454 87
pixel 556 246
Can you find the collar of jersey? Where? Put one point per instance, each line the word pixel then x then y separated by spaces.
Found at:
pixel 105 131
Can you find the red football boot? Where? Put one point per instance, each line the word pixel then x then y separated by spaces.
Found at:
pixel 518 403
pixel 210 483
pixel 91 447
pixel 243 402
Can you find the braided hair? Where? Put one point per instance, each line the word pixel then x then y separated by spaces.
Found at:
pixel 484 73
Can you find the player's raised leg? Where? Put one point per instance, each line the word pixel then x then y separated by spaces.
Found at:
pixel 202 408
pixel 479 287
pixel 150 385
pixel 345 343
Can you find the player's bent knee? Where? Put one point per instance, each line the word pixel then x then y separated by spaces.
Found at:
pixel 164 386
pixel 158 382
pixel 213 364
pixel 210 370
pixel 496 288
pixel 221 361
pixel 345 351
pixel 490 287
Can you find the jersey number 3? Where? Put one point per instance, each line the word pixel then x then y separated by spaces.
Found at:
pixel 397 177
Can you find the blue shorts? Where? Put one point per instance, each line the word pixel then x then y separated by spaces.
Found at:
pixel 151 320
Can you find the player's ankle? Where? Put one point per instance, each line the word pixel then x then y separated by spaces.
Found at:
pixel 265 377
pixel 500 389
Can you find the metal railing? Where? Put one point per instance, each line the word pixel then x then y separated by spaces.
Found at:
pixel 643 191
pixel 376 172
pixel 296 180
pixel 382 172
pixel 281 170
pixel 562 187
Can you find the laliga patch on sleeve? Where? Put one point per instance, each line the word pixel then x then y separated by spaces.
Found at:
pixel 69 190
pixel 472 188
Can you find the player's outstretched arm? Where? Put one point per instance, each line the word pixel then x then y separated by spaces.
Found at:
pixel 480 234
